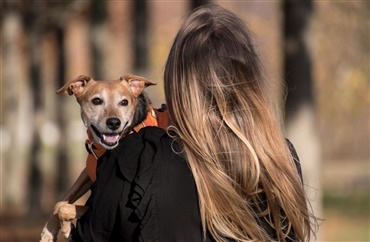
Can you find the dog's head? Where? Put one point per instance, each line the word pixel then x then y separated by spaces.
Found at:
pixel 107 107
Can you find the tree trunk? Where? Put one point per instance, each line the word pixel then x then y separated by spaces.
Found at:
pixel 140 33
pixel 62 168
pixel 34 181
pixel 18 121
pixel 198 3
pixel 301 123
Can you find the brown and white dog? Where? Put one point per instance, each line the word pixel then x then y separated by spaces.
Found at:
pixel 109 110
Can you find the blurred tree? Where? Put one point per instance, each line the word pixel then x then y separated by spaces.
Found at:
pixel 98 15
pixel 62 178
pixel 198 3
pixel 75 59
pixel 140 35
pixel 38 19
pixel 299 107
pixel 18 118
pixel 33 33
pixel 33 24
pixel 297 62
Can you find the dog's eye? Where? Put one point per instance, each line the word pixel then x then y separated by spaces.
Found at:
pixel 97 101
pixel 124 103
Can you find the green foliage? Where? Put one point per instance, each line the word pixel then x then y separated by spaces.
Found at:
pixel 349 203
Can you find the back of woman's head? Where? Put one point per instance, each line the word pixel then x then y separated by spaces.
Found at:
pixel 216 96
pixel 212 62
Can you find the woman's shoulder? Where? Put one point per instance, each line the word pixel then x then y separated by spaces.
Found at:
pixel 292 149
pixel 137 150
pixel 153 134
pixel 294 154
pixel 159 138
pixel 137 139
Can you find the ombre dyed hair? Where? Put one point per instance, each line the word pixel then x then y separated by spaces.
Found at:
pixel 216 95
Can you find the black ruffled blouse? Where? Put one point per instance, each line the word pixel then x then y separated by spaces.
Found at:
pixel 143 192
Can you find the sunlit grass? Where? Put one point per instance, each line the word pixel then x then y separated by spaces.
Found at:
pixel 346 216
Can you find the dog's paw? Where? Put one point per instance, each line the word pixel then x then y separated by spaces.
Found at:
pixel 47 236
pixel 50 231
pixel 67 214
pixel 67 228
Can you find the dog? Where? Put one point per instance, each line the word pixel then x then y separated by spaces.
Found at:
pixel 109 110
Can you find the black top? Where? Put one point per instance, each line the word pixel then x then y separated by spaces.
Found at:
pixel 143 192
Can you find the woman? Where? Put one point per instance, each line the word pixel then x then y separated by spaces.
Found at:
pixel 223 171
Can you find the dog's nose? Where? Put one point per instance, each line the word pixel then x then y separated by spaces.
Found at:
pixel 113 123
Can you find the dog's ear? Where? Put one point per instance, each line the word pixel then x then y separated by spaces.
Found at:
pixel 137 83
pixel 75 86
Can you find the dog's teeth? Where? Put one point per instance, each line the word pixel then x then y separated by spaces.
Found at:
pixel 110 138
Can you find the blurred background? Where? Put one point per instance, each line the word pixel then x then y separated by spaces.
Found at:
pixel 320 49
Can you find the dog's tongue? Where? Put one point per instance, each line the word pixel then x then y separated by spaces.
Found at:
pixel 110 138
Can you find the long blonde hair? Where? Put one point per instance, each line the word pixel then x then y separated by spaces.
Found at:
pixel 243 169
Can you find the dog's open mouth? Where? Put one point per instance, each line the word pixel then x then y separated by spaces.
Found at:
pixel 109 139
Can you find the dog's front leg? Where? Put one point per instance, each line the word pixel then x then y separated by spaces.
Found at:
pixel 80 187
pixel 68 213
pixel 50 231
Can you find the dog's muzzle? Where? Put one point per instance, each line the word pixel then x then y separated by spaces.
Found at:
pixel 109 139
